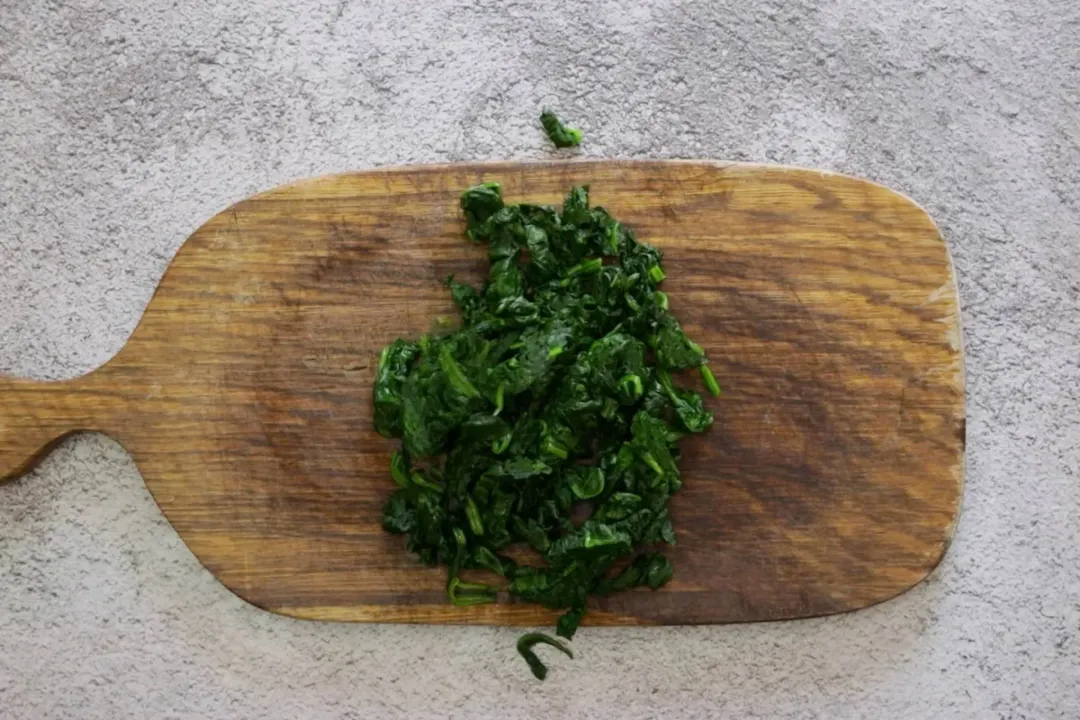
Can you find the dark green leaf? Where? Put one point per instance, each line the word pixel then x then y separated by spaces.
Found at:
pixel 558 133
pixel 480 203
pixel 398 517
pixel 587 483
pixel 525 647
pixel 568 622
pixel 390 380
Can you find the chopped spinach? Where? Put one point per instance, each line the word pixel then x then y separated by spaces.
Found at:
pixel 554 400
pixel 525 648
pixel 560 134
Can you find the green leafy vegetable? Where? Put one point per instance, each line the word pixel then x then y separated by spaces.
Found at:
pixel 525 647
pixel 550 419
pixel 558 133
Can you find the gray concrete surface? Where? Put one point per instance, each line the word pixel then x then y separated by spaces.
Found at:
pixel 125 125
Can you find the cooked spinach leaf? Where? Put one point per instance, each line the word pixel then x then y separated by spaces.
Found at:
pixel 558 133
pixel 550 419
pixel 525 646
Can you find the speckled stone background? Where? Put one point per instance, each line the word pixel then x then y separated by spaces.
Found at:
pixel 125 125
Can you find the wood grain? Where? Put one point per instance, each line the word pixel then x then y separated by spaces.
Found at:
pixel 830 481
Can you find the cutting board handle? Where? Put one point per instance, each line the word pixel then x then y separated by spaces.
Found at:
pixel 35 415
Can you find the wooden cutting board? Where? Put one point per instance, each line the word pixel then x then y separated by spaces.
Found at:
pixel 827 305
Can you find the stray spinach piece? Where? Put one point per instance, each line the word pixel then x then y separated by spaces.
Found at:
pixel 525 648
pixel 550 419
pixel 710 381
pixel 558 133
